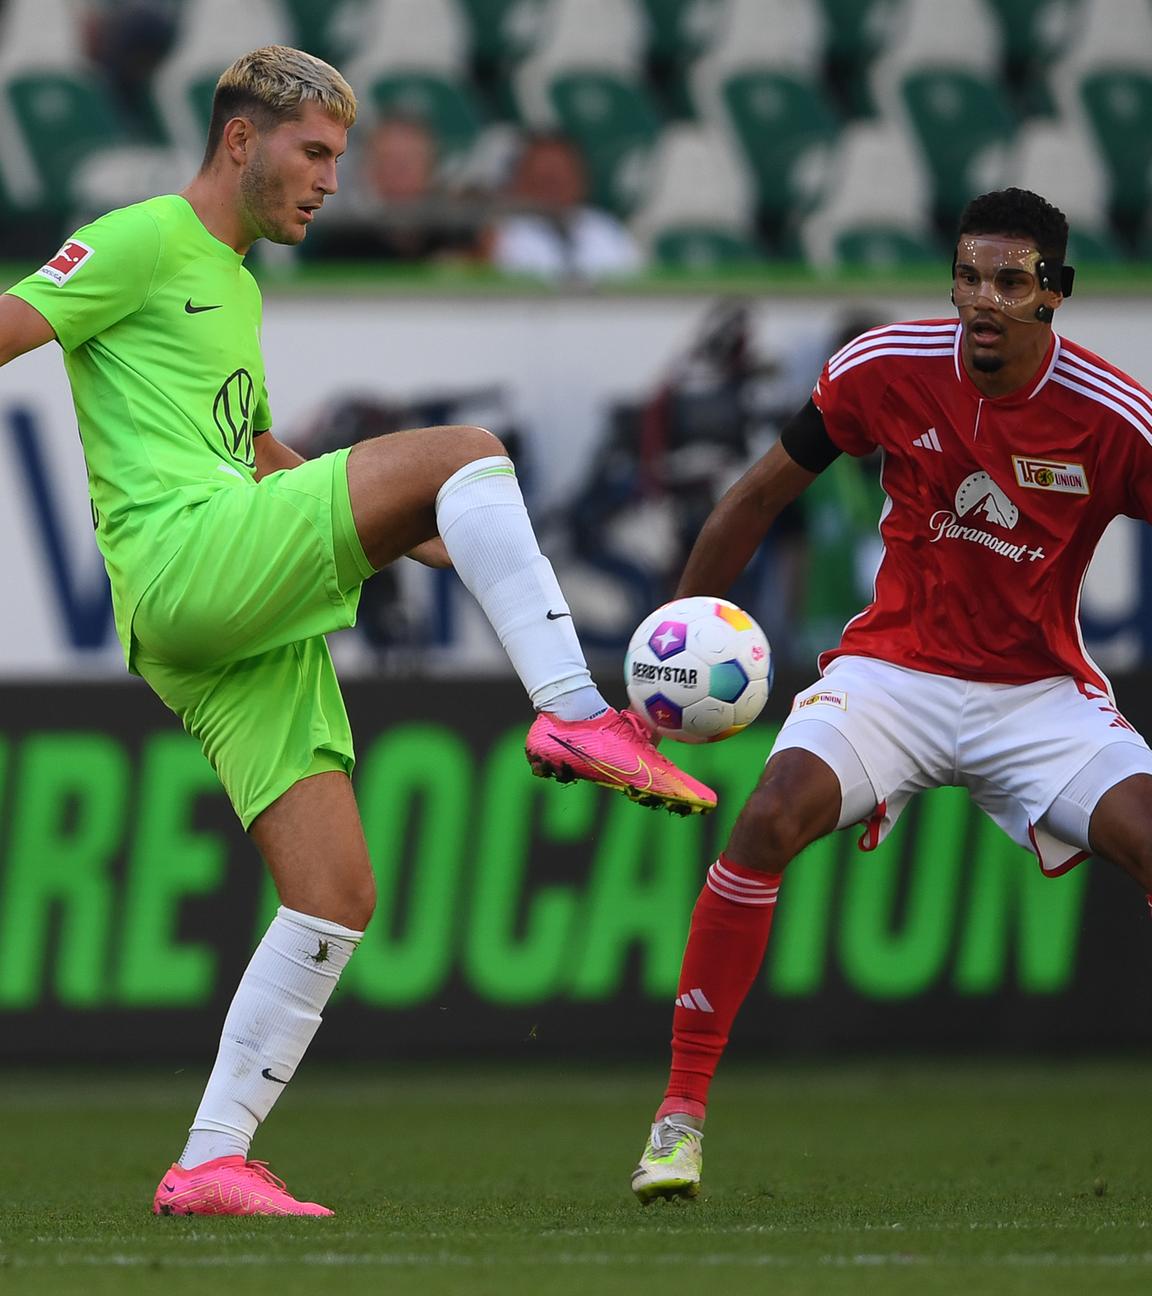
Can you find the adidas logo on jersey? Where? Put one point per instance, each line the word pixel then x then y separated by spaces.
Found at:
pixel 694 999
pixel 929 441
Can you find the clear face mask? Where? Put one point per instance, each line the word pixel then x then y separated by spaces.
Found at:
pixel 1009 274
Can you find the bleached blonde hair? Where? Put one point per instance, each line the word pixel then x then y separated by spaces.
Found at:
pixel 271 85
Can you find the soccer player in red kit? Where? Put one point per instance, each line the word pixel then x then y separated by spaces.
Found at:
pixel 1006 451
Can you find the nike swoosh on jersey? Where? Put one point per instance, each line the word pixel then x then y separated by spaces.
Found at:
pixel 196 310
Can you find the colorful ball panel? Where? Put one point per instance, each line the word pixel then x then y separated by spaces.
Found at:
pixel 727 681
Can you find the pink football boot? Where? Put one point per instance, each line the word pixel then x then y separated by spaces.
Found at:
pixel 614 750
pixel 229 1185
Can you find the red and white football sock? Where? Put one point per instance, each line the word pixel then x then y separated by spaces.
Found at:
pixel 726 944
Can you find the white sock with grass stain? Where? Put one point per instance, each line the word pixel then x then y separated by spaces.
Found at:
pixel 274 1015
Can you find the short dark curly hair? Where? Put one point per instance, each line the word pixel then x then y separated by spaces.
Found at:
pixel 1022 213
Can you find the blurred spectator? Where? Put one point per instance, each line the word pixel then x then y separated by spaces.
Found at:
pixel 548 229
pixel 394 207
pixel 127 40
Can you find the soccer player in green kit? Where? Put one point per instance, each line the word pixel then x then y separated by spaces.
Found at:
pixel 230 558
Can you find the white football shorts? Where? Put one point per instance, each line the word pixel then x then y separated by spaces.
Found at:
pixel 1035 757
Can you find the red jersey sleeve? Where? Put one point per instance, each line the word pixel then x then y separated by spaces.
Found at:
pixel 1139 473
pixel 843 397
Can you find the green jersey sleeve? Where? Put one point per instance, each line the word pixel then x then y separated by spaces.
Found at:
pixel 262 419
pixel 101 275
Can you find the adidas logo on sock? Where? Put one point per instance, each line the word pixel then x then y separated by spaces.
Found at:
pixel 694 999
pixel 929 441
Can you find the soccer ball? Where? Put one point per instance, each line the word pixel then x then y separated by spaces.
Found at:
pixel 698 670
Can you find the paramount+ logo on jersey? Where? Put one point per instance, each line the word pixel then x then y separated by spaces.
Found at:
pixel 981 504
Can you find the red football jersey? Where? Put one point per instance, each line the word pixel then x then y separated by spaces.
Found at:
pixel 995 506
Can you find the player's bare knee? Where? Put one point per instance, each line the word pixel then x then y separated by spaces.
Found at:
pixel 470 443
pixel 352 909
pixel 770 832
pixel 360 901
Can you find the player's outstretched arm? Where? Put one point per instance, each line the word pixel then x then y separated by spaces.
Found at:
pixel 739 522
pixel 22 328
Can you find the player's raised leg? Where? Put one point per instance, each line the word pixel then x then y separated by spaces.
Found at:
pixel 458 483
pixel 313 844
pixel 797 800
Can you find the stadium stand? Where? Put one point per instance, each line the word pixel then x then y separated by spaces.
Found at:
pixel 860 127
pixel 1034 34
pixel 210 33
pixel 1104 81
pixel 938 81
pixel 1059 160
pixel 587 79
pixel 54 110
pixel 855 33
pixel 785 36
pixel 698 210
pixel 680 32
pixel 762 83
pixel 878 212
pixel 501 35
pixel 414 63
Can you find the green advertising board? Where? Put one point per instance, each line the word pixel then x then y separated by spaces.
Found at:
pixel 510 907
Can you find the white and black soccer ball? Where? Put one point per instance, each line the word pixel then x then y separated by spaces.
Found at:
pixel 698 669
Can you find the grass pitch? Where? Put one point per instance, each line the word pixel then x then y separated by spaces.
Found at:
pixel 890 1177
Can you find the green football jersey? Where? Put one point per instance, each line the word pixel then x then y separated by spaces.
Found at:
pixel 160 327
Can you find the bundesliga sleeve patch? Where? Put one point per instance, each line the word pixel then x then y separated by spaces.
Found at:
pixel 66 262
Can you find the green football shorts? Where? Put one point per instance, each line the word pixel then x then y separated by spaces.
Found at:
pixel 230 634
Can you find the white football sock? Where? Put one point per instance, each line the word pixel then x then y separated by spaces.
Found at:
pixel 274 1014
pixel 481 517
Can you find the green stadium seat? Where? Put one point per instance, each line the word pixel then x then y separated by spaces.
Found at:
pixel 1118 106
pixel 209 36
pixel 199 93
pixel 882 247
pixel 316 24
pixel 856 31
pixel 1060 159
pixel 704 248
pixel 1092 247
pixel 957 116
pixel 785 128
pixel 681 30
pixel 445 104
pixel 1034 35
pixel 616 125
pixel 62 117
pixel 504 32
pixel 865 222
pixel 679 33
